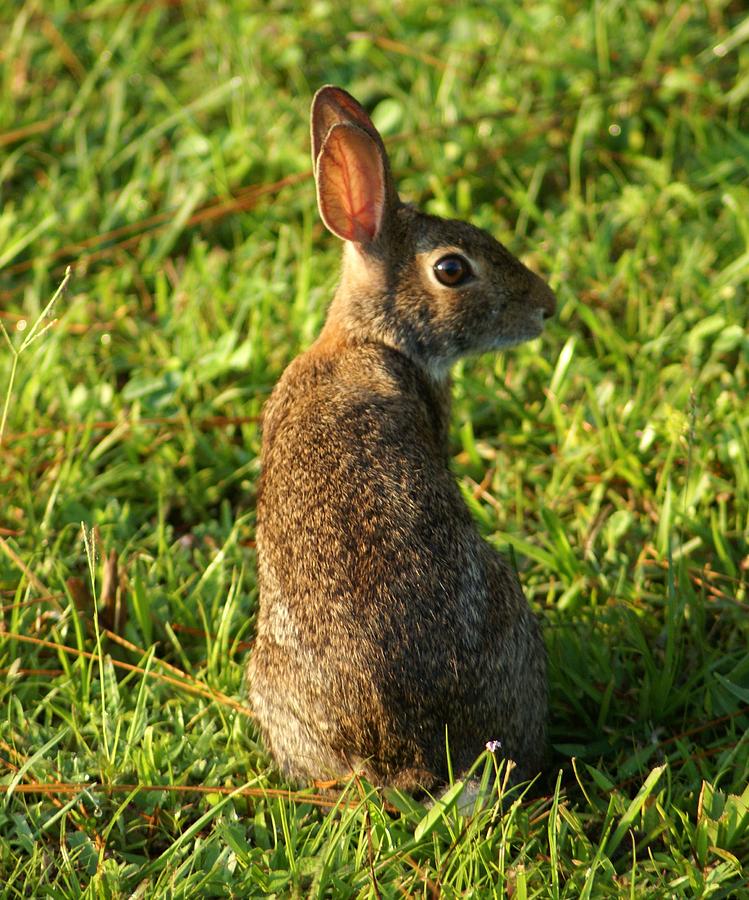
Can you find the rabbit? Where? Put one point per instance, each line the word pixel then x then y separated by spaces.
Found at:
pixel 388 630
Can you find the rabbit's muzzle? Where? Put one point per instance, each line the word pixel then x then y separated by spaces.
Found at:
pixel 542 297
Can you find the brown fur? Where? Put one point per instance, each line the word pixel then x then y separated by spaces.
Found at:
pixel 386 622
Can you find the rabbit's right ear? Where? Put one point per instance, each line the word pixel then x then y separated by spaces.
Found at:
pixel 352 183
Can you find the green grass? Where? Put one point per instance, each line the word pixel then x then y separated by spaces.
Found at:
pixel 160 150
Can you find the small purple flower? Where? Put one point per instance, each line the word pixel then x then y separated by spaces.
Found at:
pixel 493 746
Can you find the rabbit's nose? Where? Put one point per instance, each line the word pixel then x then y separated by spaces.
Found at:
pixel 542 297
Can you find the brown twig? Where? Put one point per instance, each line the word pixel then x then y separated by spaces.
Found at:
pixel 63 48
pixel 110 424
pixel 25 131
pixel 400 48
pixel 32 578
pixel 32 782
pixel 134 232
pixel 51 598
pixel 51 673
pixel 66 788
pixel 189 687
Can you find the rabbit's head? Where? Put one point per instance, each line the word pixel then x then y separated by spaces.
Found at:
pixel 435 289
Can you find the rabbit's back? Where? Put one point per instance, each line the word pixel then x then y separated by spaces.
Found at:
pixel 385 617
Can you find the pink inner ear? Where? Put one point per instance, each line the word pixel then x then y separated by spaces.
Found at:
pixel 351 184
pixel 332 106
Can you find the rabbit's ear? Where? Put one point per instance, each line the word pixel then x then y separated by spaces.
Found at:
pixel 351 176
pixel 333 106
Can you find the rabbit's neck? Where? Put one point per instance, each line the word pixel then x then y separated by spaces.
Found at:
pixel 374 360
pixel 361 311
pixel 344 328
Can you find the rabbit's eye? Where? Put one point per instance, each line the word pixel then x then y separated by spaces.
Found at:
pixel 452 270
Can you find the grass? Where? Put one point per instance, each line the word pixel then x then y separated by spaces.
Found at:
pixel 160 150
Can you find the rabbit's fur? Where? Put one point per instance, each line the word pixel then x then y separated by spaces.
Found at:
pixel 386 623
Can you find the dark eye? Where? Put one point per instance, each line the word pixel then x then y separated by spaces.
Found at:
pixel 452 270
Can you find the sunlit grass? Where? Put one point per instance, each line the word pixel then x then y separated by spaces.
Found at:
pixel 160 150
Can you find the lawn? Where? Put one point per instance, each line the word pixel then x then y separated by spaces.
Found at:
pixel 162 261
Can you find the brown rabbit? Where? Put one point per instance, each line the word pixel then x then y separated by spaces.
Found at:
pixel 386 623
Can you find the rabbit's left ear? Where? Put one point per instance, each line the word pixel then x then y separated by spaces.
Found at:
pixel 351 182
pixel 333 106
